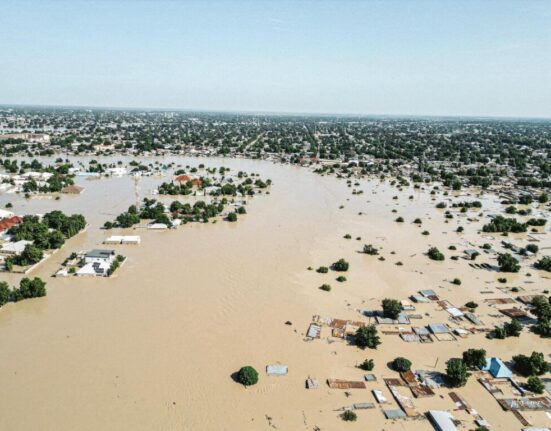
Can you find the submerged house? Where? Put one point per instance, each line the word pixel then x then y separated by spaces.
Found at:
pixel 99 256
pixel 497 368
pixel 442 420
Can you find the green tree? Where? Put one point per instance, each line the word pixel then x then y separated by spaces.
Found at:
pixel 544 264
pixel 542 308
pixel 507 263
pixel 247 376
pixel 456 372
pixel 533 365
pixel 4 293
pixel 31 254
pixel 535 385
pixel 391 308
pixel 366 336
pixel 474 358
pixel 401 364
pixel 513 328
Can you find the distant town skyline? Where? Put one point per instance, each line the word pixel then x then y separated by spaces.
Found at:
pixel 399 58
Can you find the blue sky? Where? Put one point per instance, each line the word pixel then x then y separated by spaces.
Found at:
pixel 441 57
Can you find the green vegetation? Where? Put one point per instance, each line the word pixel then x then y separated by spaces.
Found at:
pixel 508 263
pixel 544 264
pixel 474 358
pixel 369 249
pixel 341 279
pixel 325 287
pixel 367 365
pixel 509 329
pixel 435 254
pixel 119 259
pixel 322 270
pixel 533 365
pixel 28 288
pixel 391 308
pixel 366 337
pixel 247 376
pixel 401 364
pixel 456 372
pixel 340 265
pixel 349 416
pixel 46 234
pixel 471 305
pixel 535 385
pixel 504 225
pixel 456 281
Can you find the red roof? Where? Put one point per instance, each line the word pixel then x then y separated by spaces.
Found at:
pixel 182 179
pixel 9 222
pixel 196 182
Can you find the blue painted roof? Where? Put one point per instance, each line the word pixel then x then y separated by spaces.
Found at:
pixel 497 368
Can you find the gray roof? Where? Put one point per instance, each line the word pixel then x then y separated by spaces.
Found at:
pixel 438 328
pixel 100 253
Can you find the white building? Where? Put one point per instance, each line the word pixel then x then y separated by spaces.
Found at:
pixel 99 256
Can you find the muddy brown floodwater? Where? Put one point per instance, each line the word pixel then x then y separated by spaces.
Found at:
pixel 154 347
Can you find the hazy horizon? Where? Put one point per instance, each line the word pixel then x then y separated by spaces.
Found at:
pixel 346 58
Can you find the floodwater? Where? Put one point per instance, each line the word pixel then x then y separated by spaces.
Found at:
pixel 154 347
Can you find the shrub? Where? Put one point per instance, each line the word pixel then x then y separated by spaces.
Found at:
pixel 474 358
pixel 391 308
pixel 399 220
pixel 535 385
pixel 366 336
pixel 340 265
pixel 341 279
pixel 349 416
pixel 532 248
pixel 425 232
pixel 456 281
pixel 512 328
pixel 456 372
pixel 325 287
pixel 232 217
pixel 441 205
pixel 533 365
pixel 401 364
pixel 544 264
pixel 417 221
pixel 471 304
pixel 322 270
pixel 347 236
pixel 367 365
pixel 247 376
pixel 369 249
pixel 435 254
